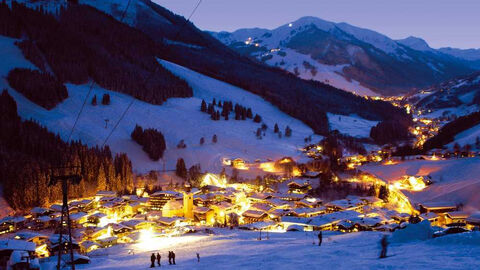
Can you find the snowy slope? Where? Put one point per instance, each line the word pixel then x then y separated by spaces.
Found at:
pixel 294 250
pixel 329 74
pixel 177 119
pixel 455 180
pixel 351 125
pixel 468 136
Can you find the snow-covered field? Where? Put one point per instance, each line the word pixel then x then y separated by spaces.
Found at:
pixel 454 180
pixel 177 119
pixel 351 125
pixel 294 250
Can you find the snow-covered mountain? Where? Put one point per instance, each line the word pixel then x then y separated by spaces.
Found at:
pixel 348 57
pixel 416 44
pixel 453 94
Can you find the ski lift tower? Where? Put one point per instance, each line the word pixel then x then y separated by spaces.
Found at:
pixel 65 216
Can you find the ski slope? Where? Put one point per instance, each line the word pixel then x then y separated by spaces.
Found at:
pixel 454 180
pixel 352 125
pixel 293 250
pixel 177 119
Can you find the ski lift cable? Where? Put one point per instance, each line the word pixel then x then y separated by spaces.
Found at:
pixel 91 85
pixel 148 78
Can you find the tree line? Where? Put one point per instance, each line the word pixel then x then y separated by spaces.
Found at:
pixel 29 153
pixel 80 43
pixel 241 112
pixel 447 133
pixel 38 86
pixel 151 140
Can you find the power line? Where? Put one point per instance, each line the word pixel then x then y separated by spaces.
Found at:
pixel 149 76
pixel 91 84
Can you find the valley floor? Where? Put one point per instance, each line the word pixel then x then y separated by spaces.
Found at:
pixel 234 249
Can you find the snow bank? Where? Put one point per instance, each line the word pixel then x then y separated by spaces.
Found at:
pixel 413 232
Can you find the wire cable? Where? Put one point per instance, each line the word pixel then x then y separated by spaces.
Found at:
pixel 149 76
pixel 91 85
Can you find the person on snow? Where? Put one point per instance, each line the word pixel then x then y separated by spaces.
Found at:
pixel 173 257
pixel 384 243
pixel 158 259
pixel 152 260
pixel 198 257
pixel 169 257
pixel 320 238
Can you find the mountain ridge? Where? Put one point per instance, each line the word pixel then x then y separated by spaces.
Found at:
pixel 378 63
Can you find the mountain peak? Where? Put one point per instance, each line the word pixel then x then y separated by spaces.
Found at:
pixel 415 43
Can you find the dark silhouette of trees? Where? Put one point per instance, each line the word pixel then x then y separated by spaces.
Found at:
pixel 203 107
pixel 390 131
pixel 181 169
pixel 275 128
pixel 94 100
pixel 214 138
pixel 82 43
pixel 106 99
pixel 288 132
pixel 202 141
pixel 447 133
pixel 28 151
pixel 151 140
pixel 38 86
pixel 257 118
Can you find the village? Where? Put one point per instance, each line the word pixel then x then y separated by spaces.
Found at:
pixel 277 204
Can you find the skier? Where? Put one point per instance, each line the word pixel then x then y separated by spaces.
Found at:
pixel 384 244
pixel 169 257
pixel 152 259
pixel 173 257
pixel 198 257
pixel 320 238
pixel 158 259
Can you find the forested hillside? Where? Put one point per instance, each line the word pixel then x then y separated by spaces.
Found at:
pixel 181 42
pixel 28 151
pixel 80 43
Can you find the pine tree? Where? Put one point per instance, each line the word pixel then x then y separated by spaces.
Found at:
pixel 249 113
pixel 202 141
pixel 181 169
pixel 94 100
pixel 257 118
pixel 219 103
pixel 214 102
pixel 259 133
pixel 203 107
pixel 288 132
pixel 214 138
pixel 106 99
pixel 275 128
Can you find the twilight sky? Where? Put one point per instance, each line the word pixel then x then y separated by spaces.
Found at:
pixel 442 23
